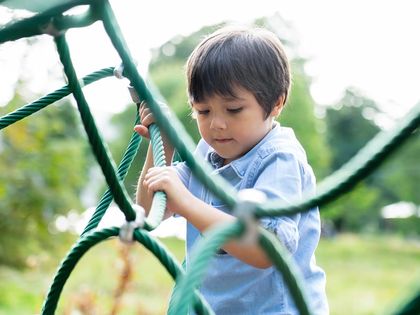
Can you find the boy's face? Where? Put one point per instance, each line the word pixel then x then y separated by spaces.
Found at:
pixel 233 126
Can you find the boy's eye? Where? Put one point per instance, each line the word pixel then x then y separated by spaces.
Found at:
pixel 203 112
pixel 234 110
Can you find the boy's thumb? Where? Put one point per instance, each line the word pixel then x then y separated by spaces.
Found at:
pixel 141 130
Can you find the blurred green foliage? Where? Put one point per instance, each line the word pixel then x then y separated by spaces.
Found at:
pixel 299 114
pixel 43 169
pixel 350 125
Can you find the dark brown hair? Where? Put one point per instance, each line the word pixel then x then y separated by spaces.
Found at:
pixel 251 58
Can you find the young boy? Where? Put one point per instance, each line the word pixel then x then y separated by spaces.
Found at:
pixel 238 83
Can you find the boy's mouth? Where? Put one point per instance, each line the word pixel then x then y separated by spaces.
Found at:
pixel 223 140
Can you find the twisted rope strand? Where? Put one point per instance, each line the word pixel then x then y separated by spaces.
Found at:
pixel 93 238
pixel 68 264
pixel 98 146
pixel 123 168
pixel 173 267
pixel 284 264
pixel 158 207
pixel 50 98
pixel 215 238
pixel 176 133
pixel 197 265
pixel 358 168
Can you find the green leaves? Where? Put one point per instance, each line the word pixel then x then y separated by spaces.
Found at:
pixel 43 169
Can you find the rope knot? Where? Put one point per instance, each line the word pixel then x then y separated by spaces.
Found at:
pixel 127 229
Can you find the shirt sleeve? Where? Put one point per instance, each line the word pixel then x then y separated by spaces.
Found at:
pixel 280 178
pixel 183 171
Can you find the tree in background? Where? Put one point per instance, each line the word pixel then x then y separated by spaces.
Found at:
pixel 43 169
pixel 350 125
pixel 347 132
pixel 299 114
pixel 400 175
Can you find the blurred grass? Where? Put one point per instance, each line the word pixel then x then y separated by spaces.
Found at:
pixel 366 275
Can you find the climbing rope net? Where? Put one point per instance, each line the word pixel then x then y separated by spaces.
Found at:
pixel 54 21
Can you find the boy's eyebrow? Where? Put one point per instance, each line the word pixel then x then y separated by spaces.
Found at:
pixel 232 98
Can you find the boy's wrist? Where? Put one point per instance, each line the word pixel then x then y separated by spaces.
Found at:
pixel 187 202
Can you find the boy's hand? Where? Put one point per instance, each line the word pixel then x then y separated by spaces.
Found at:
pixel 146 118
pixel 166 179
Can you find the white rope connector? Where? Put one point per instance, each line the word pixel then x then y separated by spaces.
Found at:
pixel 118 71
pixel 244 211
pixel 127 229
pixel 134 96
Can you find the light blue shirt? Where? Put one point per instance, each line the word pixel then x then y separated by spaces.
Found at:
pixel 277 166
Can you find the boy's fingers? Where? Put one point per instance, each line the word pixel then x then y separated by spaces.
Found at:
pixel 146 117
pixel 142 113
pixel 155 172
pixel 152 171
pixel 142 131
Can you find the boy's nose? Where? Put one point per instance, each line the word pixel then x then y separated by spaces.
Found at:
pixel 217 123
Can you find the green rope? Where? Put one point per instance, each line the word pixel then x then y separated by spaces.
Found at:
pixel 159 199
pixel 157 210
pixel 50 98
pixel 204 251
pixel 198 263
pixel 358 168
pixel 287 267
pixel 93 238
pixel 173 129
pixel 175 289
pixel 100 150
pixel 36 25
pixel 221 189
pixel 123 168
pixel 411 306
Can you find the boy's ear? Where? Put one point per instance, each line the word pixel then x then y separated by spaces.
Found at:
pixel 278 107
